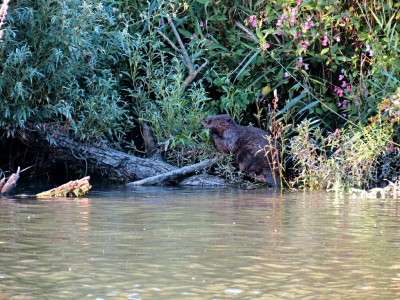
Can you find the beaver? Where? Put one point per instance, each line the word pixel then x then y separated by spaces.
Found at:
pixel 248 145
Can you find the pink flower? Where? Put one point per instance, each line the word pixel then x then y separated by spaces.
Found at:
pixel 344 104
pixel 280 32
pixel 299 2
pixel 201 24
pixel 292 21
pixel 306 67
pixel 337 39
pixel 325 40
pixel 267 46
pixel 286 75
pixel 253 21
pixel 306 26
pixel 339 92
pixel 343 84
pixel 348 88
pixel 308 18
pixel 341 77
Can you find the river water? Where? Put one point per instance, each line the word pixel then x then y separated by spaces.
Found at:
pixel 174 243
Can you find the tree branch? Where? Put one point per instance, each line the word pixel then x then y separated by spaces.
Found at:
pixel 185 56
pixel 174 176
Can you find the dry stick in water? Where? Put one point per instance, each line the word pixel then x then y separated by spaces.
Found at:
pixel 11 182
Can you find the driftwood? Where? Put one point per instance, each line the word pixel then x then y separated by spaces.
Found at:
pixel 175 176
pixel 74 188
pixel 11 182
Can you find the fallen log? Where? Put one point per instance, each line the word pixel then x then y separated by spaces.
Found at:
pixel 175 176
pixel 90 157
pixel 76 188
pixel 117 166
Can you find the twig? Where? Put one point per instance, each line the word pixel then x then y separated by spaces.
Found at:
pixel 185 56
pixel 191 77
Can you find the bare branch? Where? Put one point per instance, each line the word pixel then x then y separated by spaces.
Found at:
pixel 169 41
pixel 186 58
pixel 191 77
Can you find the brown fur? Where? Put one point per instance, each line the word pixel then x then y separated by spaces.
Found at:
pixel 247 144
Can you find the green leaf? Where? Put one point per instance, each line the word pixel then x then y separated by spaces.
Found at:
pixel 185 33
pixel 291 103
pixel 324 51
pixel 248 63
pixel 311 105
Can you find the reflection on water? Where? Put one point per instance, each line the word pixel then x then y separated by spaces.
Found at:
pixel 199 244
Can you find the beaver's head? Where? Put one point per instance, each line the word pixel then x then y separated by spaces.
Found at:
pixel 220 121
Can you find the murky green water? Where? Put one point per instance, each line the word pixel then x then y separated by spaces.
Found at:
pixel 199 244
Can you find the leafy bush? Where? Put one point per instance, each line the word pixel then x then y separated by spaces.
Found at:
pixel 329 60
pixel 57 67
pixel 344 159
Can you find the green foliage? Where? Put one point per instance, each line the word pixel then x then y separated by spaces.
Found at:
pixel 153 80
pixel 344 159
pixel 329 60
pixel 57 67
